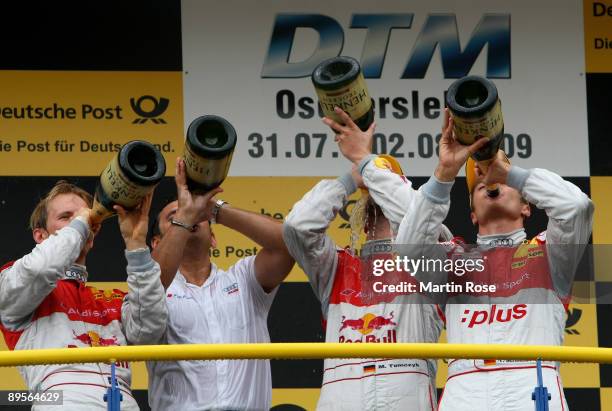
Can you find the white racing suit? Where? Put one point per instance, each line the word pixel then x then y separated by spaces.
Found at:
pixel 349 317
pixel 45 303
pixel 529 305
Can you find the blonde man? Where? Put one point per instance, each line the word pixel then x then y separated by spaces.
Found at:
pixel 46 303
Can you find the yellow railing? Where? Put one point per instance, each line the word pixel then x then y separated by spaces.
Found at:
pixel 303 351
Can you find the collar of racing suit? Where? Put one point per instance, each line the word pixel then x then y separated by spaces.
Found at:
pixel 502 240
pixel 76 272
pixel 373 247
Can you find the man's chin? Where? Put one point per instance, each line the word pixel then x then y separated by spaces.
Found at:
pixel 496 210
pixel 197 240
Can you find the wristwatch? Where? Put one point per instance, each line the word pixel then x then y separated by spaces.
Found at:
pixel 215 211
pixel 190 228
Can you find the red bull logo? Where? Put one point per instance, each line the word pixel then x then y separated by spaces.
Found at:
pixel 366 325
pixel 93 339
pixel 106 295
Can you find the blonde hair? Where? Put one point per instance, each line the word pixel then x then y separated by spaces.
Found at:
pixel 357 221
pixel 38 218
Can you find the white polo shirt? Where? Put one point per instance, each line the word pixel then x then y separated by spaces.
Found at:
pixel 230 307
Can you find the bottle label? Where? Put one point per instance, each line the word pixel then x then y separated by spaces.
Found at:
pixel 205 171
pixel 489 125
pixel 119 189
pixel 353 98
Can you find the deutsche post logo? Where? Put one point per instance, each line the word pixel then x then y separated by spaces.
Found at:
pixel 573 316
pixel 149 108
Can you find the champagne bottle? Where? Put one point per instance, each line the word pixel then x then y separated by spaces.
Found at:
pixel 476 109
pixel 208 152
pixel 133 173
pixel 339 82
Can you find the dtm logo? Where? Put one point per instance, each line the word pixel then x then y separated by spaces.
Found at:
pixel 438 31
pixel 149 108
pixel 495 315
pixel 366 325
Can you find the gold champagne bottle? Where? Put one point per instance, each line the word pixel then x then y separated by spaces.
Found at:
pixel 476 109
pixel 133 173
pixel 209 147
pixel 339 82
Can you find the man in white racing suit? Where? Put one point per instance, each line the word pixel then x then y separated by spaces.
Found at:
pixel 531 297
pixel 533 280
pixel 351 312
pixel 46 303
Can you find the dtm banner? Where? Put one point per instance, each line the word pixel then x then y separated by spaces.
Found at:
pixel 253 66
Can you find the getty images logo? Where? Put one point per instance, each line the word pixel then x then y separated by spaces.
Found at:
pixel 438 31
pixel 158 108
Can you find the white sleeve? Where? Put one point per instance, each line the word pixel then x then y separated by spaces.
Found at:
pixel 245 270
pixel 570 219
pixel 25 284
pixel 391 192
pixel 144 313
pixel 304 232
pixel 425 212
pixel 415 216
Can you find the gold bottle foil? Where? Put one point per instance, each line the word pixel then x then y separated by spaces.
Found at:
pixel 118 189
pixel 206 172
pixel 353 98
pixel 489 125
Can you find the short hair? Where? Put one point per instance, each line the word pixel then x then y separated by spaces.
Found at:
pixel 38 218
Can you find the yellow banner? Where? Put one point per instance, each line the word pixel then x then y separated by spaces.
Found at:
pixel 598 36
pixel 274 196
pixel 306 398
pixel 606 399
pixel 60 123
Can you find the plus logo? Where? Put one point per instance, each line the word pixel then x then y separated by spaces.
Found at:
pixel 494 315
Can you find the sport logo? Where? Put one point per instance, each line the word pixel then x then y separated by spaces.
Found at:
pixel 231 289
pixel 158 108
pixel 106 295
pixel 495 315
pixel 93 339
pixel 366 325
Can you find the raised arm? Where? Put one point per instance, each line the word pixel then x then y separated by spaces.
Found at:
pixel 144 314
pixel 304 232
pixel 273 263
pixel 192 209
pixel 389 190
pixel 416 217
pixel 569 211
pixel 25 284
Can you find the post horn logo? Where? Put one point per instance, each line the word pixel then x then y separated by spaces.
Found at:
pixel 573 317
pixel 159 107
pixel 345 213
